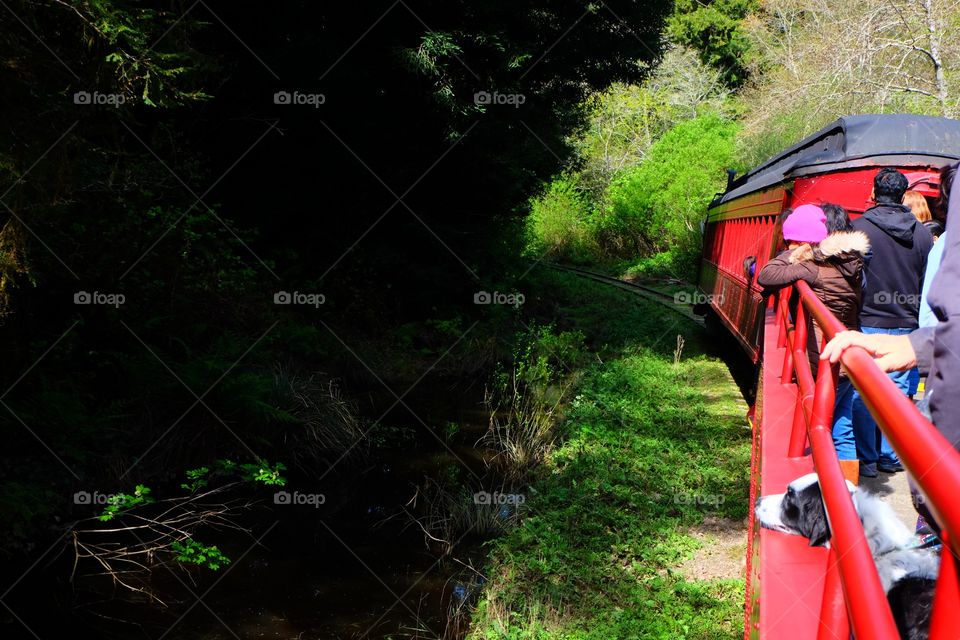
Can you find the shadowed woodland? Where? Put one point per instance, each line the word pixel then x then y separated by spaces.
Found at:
pixel 253 266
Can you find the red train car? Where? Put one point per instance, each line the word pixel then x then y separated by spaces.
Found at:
pixel 837 165
pixel 793 590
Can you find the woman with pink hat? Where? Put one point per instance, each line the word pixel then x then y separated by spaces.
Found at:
pixel 832 264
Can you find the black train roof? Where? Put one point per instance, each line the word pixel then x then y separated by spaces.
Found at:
pixel 858 141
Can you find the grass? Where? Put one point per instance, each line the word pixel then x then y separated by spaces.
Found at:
pixel 647 449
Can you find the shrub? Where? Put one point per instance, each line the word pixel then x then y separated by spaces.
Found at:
pixel 658 205
pixel 558 224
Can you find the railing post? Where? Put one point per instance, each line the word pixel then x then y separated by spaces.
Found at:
pixel 798 433
pixel 781 323
pixel 834 622
pixel 945 620
pixel 789 337
pixel 800 331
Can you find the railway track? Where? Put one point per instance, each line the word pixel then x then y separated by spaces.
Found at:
pixel 664 299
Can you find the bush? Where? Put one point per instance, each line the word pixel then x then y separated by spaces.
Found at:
pixel 558 224
pixel 658 205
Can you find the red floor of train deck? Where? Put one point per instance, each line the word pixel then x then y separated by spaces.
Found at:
pixel 788 574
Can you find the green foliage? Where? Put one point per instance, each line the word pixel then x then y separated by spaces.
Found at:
pixel 264 473
pixel 120 503
pixel 625 119
pixel 778 132
pixel 146 49
pixel 597 556
pixel 715 29
pixel 196 479
pixel 663 200
pixel 191 551
pixel 559 222
pixel 545 353
pixel 525 403
pixel 255 472
pixel 612 206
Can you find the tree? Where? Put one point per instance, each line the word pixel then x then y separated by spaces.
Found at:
pixel 715 30
pixel 663 200
pixel 626 119
pixel 819 60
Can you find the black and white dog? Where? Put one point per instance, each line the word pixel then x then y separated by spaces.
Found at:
pixel 908 574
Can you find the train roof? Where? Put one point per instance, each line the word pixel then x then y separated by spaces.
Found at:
pixel 857 141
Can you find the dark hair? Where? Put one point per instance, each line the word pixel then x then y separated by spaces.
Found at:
pixel 778 240
pixel 889 185
pixel 837 218
pixel 947 175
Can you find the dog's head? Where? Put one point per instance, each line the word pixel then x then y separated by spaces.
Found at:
pixel 799 511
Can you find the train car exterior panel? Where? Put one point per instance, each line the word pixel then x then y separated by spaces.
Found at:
pixel 851 189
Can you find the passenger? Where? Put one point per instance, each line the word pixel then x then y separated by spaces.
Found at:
pixel 921 211
pixel 837 218
pixel 891 298
pixel 833 267
pixel 927 318
pixel 931 348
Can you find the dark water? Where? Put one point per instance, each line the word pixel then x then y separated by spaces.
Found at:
pixel 354 567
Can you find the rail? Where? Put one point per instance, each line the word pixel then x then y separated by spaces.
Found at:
pixel 669 301
pixel 853 595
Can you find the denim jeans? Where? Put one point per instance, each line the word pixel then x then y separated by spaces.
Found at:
pixel 843 438
pixel 872 445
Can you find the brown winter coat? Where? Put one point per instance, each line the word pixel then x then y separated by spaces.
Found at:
pixel 834 271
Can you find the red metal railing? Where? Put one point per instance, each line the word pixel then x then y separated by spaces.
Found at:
pixel 853 596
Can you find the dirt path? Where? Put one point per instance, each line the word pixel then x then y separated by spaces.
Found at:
pixel 893 489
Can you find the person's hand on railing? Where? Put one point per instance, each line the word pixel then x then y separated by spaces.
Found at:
pixel 891 353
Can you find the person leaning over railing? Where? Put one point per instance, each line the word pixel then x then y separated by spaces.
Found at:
pixel 832 264
pixel 935 350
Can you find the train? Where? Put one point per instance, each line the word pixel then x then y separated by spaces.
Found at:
pixel 794 590
pixel 837 165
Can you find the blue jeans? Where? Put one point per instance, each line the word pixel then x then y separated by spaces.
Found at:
pixel 872 445
pixel 843 438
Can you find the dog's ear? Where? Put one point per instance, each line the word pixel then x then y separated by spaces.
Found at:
pixel 813 518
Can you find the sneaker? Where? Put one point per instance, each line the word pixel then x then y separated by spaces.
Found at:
pixel 868 469
pixel 890 467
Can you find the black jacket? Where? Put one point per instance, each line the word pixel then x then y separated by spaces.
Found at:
pixel 894 267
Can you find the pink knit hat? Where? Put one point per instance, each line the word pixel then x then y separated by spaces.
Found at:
pixel 807 223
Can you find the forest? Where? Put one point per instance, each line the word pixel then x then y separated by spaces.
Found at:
pixel 281 354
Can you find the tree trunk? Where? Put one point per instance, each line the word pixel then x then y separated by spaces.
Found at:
pixel 935 57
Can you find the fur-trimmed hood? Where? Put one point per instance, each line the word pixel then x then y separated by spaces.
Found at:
pixel 836 247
